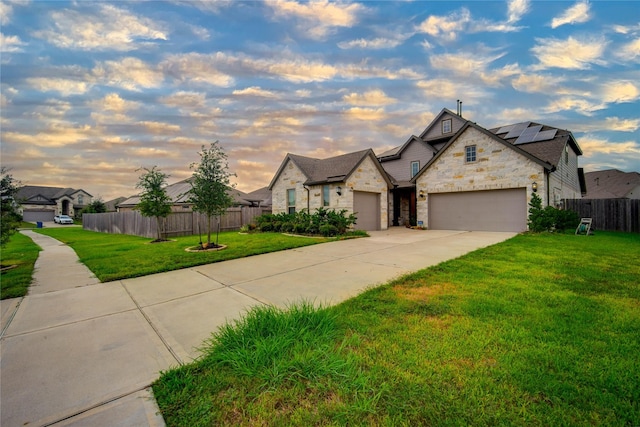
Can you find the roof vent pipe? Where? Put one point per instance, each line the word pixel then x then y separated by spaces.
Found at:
pixel 459 108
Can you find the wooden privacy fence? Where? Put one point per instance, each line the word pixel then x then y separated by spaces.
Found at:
pixel 176 224
pixel 608 214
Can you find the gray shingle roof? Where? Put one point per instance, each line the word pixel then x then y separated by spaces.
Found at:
pixel 333 169
pixel 549 151
pixel 611 184
pixel 51 194
pixel 179 194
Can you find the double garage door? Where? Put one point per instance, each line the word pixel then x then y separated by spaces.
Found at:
pixel 495 210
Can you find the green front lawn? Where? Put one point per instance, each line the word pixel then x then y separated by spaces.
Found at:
pixel 539 330
pixel 23 253
pixel 118 256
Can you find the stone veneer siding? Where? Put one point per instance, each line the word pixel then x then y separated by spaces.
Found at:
pixel 496 167
pixel 366 177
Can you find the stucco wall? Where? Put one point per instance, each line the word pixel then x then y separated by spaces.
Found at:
pixel 497 167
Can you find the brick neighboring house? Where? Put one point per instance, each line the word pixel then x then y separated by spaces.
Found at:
pixel 355 182
pixel 40 203
pixel 612 184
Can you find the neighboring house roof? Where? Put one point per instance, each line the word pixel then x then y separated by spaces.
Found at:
pixel 612 184
pixel 504 142
pixel 41 195
pixel 260 197
pixel 111 205
pixel 333 169
pixel 179 195
pixel 544 142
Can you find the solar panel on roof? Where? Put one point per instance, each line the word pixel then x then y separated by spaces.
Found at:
pixel 504 129
pixel 528 135
pixel 517 129
pixel 546 135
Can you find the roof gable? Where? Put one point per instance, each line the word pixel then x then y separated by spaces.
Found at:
pixel 433 131
pixel 333 169
pixel 493 136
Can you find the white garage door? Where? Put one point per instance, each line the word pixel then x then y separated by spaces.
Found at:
pixel 367 209
pixel 495 210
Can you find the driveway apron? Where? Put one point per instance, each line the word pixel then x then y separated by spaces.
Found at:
pixel 77 352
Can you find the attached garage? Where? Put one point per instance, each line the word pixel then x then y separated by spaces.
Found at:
pixel 495 210
pixel 35 215
pixel 367 209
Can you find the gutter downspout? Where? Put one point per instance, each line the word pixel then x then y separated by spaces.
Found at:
pixel 308 198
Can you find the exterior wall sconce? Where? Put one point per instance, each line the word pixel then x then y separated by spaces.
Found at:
pixel 534 187
pixel 421 194
pixel 339 190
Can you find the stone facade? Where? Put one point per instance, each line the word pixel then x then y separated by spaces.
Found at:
pixel 366 177
pixel 496 167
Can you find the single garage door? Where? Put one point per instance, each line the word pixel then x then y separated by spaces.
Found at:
pixel 35 215
pixel 367 208
pixel 495 210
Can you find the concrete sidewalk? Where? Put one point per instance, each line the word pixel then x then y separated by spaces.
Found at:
pixel 77 352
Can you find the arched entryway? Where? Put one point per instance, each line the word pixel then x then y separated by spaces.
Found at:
pixel 65 207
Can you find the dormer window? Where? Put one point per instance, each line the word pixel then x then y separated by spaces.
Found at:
pixel 446 126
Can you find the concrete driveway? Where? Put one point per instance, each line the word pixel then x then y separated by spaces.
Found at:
pixel 78 352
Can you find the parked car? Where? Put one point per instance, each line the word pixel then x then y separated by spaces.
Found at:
pixel 62 219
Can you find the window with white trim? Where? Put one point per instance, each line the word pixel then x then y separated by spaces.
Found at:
pixel 470 153
pixel 415 167
pixel 446 126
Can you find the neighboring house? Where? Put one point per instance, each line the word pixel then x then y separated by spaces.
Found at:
pixel 259 198
pixel 612 184
pixel 112 205
pixel 40 203
pixel 179 194
pixel 355 182
pixel 404 162
pixel 484 179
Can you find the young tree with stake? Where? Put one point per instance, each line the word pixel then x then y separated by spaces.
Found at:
pixel 209 185
pixel 154 201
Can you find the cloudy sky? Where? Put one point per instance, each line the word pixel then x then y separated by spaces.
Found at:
pixel 92 91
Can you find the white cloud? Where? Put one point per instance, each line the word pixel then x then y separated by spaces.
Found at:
pixel 536 83
pixel 615 124
pixel 254 91
pixel 128 73
pixel 516 9
pixel 10 43
pixel 578 105
pixel 5 13
pixel 65 87
pixel 160 128
pixel 318 18
pixel 200 68
pixel 109 28
pixel 578 13
pixel 572 53
pixel 620 91
pixel 444 89
pixel 367 114
pixel 372 97
pixel 446 27
pixel 593 146
pixel 629 51
pixel 375 43
pixel 185 100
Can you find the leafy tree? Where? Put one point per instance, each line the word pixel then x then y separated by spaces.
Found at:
pixel 209 185
pixel 10 217
pixel 154 201
pixel 97 206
